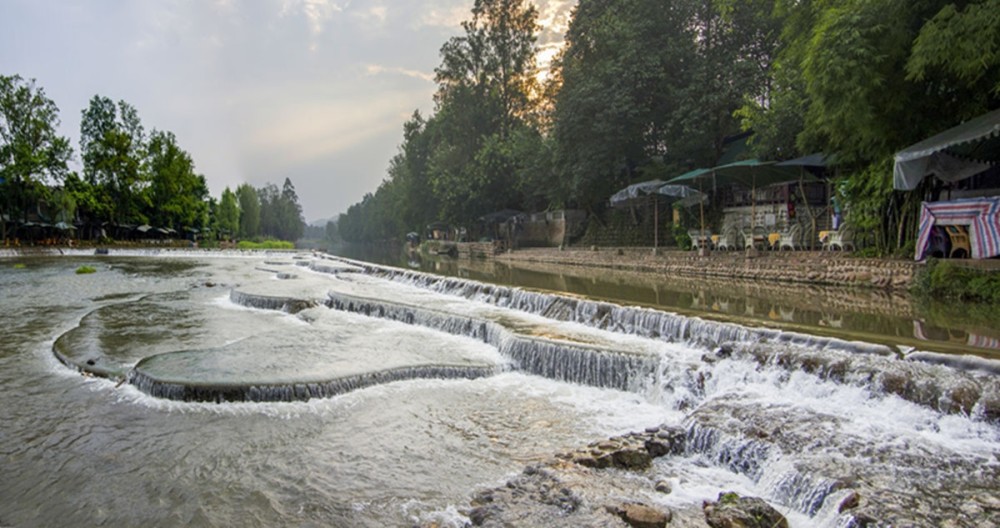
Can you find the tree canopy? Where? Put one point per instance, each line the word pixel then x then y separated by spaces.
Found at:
pixel 645 89
pixel 129 177
pixel 32 154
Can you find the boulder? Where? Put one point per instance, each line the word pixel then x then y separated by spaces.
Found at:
pixel 640 515
pixel 733 511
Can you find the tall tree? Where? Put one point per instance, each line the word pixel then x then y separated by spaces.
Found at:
pixel 228 213
pixel 32 154
pixel 113 147
pixel 291 221
pixel 269 197
pixel 617 81
pixel 249 211
pixel 176 193
pixel 485 82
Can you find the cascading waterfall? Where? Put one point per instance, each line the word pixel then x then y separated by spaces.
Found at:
pixel 865 364
pixel 288 392
pixel 551 359
pixel 778 462
pixel 637 321
pixel 266 302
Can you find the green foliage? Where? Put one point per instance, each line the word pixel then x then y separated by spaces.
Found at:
pixel 280 212
pixel 618 78
pixel 176 193
pixel 481 151
pixel 644 90
pixel 249 207
pixel 960 46
pixel 944 280
pixel 266 244
pixel 682 237
pixel 32 154
pixel 730 497
pixel 83 270
pixel 113 147
pixel 229 213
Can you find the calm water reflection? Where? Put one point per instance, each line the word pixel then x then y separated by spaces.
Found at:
pixel 896 318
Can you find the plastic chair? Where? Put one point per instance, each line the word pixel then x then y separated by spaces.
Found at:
pixel 960 245
pixel 792 238
pixel 842 239
pixel 727 240
pixel 698 240
pixel 755 238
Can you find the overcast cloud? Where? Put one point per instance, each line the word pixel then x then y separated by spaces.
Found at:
pixel 256 91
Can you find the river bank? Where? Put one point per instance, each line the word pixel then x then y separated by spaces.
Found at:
pixel 801 267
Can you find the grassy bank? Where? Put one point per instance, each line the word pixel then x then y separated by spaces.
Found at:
pixel 945 280
pixel 265 244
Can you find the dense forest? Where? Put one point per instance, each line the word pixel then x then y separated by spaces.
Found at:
pixel 650 89
pixel 129 178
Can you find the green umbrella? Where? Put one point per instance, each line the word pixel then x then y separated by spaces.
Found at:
pixel 750 173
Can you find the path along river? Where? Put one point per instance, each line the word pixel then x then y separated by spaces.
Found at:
pixel 264 390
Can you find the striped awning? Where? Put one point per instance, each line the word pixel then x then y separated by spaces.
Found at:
pixel 981 215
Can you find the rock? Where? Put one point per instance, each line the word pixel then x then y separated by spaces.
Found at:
pixel 641 516
pixel 733 511
pixel 663 487
pixel 658 448
pixel 631 459
pixel 850 502
pixel 668 441
pixel 592 462
pixel 479 515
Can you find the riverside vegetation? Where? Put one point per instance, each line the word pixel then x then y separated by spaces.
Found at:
pixel 642 92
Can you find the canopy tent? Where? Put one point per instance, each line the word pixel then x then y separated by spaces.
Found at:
pixel 639 191
pixel 750 173
pixel 812 160
pixel 955 154
pixel 982 215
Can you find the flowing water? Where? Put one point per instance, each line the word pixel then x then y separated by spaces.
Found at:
pixel 264 390
pixel 892 317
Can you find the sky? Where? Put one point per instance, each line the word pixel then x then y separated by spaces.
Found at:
pixel 256 90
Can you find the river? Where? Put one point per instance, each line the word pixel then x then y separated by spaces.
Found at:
pixel 264 390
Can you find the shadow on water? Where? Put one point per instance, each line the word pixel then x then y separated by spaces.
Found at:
pixel 895 318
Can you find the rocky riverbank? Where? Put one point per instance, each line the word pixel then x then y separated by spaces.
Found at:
pixel 802 267
pixel 603 485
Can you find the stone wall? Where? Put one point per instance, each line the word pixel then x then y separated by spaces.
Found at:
pixel 552 228
pixel 809 267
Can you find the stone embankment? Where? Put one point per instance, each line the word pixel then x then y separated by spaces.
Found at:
pixel 804 267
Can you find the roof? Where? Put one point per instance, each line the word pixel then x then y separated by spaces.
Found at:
pixel 955 154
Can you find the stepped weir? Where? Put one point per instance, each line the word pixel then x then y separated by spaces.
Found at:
pixel 810 422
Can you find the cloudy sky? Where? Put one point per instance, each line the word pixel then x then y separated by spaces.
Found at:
pixel 255 90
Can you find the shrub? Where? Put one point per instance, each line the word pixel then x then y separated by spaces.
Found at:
pixel 944 280
pixel 266 244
